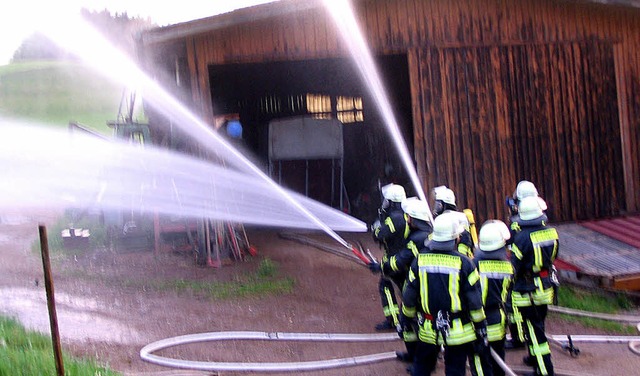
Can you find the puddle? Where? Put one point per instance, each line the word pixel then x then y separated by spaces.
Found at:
pixel 79 319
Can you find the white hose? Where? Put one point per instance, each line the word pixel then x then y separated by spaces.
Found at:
pixel 634 342
pixel 596 315
pixel 502 364
pixel 633 345
pixel 146 352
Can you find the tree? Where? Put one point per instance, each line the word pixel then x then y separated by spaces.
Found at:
pixel 38 47
pixel 119 29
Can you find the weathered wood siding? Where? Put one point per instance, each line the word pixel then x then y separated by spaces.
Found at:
pixel 501 90
pixel 496 115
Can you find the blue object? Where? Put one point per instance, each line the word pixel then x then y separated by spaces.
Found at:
pixel 234 129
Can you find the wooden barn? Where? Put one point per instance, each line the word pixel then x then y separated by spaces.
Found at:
pixel 486 93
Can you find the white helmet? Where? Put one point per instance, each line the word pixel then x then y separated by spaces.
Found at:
pixel 416 208
pixel 446 227
pixel 445 195
pixel 529 208
pixel 525 189
pixel 393 192
pixel 493 235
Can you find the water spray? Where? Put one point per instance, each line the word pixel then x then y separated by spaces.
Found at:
pixel 343 15
pixel 79 38
pixel 87 172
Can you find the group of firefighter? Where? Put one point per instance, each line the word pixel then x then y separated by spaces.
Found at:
pixel 463 291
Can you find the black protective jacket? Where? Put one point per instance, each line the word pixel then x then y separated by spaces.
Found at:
pixel 443 282
pixel 534 249
pixel 393 230
pixel 496 278
pixel 401 261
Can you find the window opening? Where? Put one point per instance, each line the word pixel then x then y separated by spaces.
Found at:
pixel 349 109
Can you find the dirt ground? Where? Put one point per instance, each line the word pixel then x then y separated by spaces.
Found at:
pixel 108 309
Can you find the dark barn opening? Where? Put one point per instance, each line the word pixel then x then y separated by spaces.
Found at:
pixel 323 89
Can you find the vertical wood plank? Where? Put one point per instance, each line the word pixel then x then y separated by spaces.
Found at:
pixel 551 186
pixel 309 33
pixel 367 9
pixel 433 16
pixel 448 122
pixel 320 25
pixel 419 140
pixel 421 34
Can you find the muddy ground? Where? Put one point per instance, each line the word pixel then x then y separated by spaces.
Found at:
pixel 108 307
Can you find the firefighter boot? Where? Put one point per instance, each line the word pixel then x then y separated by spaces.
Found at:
pixel 511 344
pixel 404 356
pixel 407 356
pixel 385 325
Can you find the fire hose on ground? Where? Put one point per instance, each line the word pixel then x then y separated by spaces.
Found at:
pixel 146 353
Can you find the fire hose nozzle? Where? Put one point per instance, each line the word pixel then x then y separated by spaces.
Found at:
pixel 360 254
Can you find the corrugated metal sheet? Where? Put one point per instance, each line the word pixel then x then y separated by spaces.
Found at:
pixel 597 254
pixel 625 229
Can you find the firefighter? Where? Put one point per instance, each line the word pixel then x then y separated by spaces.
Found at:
pixel 391 231
pixel 397 266
pixel 534 249
pixel 496 278
pixel 443 294
pixel 445 202
pixel 523 189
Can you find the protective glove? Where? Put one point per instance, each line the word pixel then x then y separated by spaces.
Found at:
pixel 375 267
pixel 375 225
pixel 481 344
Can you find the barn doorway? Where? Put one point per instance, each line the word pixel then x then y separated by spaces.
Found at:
pixel 259 93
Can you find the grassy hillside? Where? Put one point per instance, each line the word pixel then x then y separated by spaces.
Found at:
pixel 56 93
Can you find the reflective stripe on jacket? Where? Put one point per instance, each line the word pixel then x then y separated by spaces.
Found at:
pixel 496 277
pixel 445 282
pixel 534 248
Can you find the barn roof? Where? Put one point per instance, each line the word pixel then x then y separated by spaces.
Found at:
pixel 273 9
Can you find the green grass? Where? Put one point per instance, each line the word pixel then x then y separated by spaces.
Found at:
pixel 28 353
pixel 595 301
pixel 264 281
pixel 56 92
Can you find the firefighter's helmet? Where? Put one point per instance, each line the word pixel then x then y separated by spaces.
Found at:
pixel 527 189
pixel 530 208
pixel 444 194
pixel 493 235
pixel 446 227
pixel 393 192
pixel 416 208
pixel 524 189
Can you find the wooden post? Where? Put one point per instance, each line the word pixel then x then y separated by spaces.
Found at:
pixel 51 304
pixel 156 233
